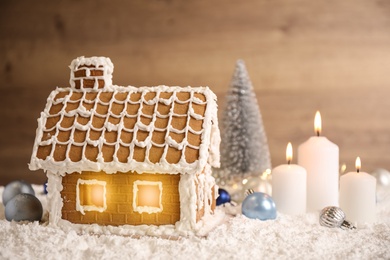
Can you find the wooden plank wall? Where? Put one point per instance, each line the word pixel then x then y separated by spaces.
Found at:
pixel 301 55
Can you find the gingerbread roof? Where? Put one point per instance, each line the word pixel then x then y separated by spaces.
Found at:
pixel 147 130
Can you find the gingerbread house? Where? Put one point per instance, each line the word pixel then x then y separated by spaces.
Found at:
pixel 125 156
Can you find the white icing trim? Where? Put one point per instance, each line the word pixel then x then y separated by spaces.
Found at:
pixel 205 191
pixel 208 149
pixel 83 208
pixel 187 202
pixel 54 200
pixel 215 140
pixel 147 209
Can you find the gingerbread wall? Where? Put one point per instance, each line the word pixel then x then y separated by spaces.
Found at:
pixel 119 194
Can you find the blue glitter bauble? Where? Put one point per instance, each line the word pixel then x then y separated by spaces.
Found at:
pixel 259 205
pixel 23 207
pixel 223 197
pixel 14 188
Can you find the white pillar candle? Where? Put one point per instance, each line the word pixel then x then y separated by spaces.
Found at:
pixel 357 196
pixel 289 186
pixel 320 158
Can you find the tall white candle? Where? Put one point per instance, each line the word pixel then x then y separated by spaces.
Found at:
pixel 320 158
pixel 357 196
pixel 289 186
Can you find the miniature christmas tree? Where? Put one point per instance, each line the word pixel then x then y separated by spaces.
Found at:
pixel 244 146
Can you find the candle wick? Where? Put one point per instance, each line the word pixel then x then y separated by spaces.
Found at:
pixel 288 162
pixel 358 170
pixel 318 133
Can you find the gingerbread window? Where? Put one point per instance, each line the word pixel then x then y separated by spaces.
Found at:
pixel 147 196
pixel 91 195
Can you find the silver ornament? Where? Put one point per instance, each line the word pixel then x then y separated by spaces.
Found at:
pixel 23 207
pixel 334 217
pixel 249 192
pixel 14 188
pixel 382 177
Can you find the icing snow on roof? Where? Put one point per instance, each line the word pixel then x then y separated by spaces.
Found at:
pixel 147 130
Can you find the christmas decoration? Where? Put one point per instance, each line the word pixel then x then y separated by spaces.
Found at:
pixel 258 205
pixel 289 186
pixel 244 146
pixel 14 188
pixel 45 188
pixel 223 197
pixel 320 158
pixel 334 217
pixel 23 207
pixel 357 195
pixel 382 177
pixel 175 148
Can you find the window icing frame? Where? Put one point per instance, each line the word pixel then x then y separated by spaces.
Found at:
pixel 146 209
pixel 83 208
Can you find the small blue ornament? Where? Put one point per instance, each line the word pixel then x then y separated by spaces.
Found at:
pixel 23 207
pixel 259 205
pixel 45 187
pixel 14 188
pixel 223 197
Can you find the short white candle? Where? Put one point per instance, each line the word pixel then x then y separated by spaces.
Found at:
pixel 289 186
pixel 320 158
pixel 357 196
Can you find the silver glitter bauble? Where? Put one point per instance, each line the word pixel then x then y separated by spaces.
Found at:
pixel 334 217
pixel 382 177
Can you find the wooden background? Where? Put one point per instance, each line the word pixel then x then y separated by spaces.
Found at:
pixel 302 56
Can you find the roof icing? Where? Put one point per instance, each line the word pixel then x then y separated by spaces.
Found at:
pixel 147 130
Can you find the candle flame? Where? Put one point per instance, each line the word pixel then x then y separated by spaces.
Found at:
pixel 358 164
pixel 289 153
pixel 317 123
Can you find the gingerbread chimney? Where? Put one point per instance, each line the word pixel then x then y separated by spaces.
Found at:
pixel 91 73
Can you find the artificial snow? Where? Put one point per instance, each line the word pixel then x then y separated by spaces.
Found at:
pixel 287 237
